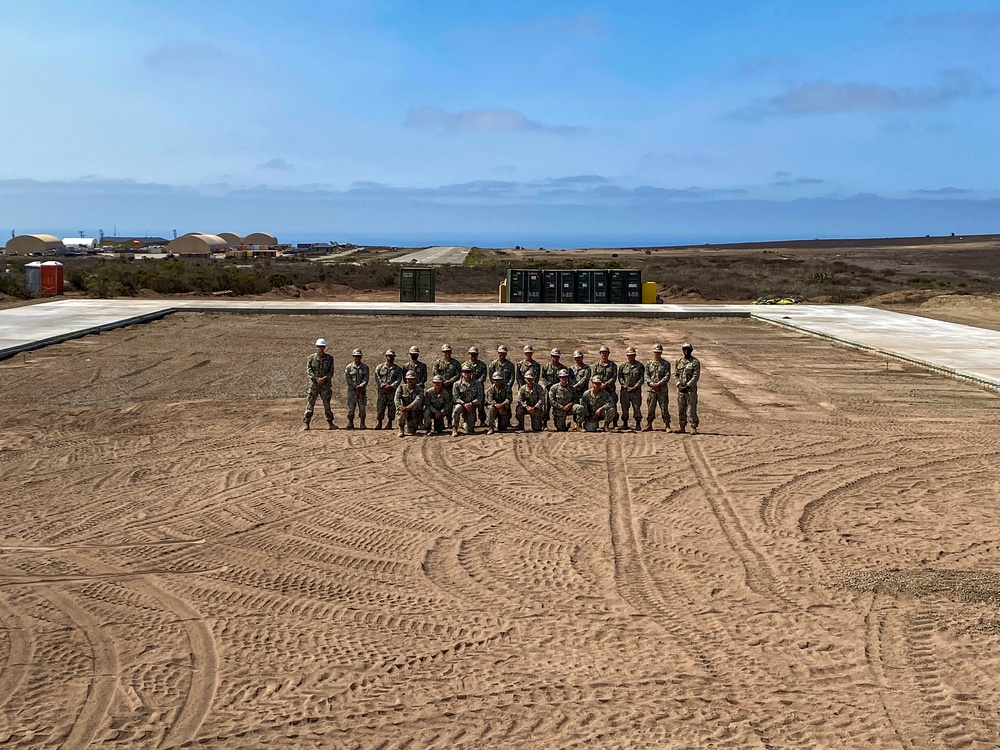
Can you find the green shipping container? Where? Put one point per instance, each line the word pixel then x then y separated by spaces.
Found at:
pixel 416 284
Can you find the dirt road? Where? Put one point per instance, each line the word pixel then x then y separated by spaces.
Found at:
pixel 180 565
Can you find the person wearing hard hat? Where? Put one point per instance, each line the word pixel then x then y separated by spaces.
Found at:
pixel 598 406
pixel 687 370
pixel 504 366
pixel 437 406
pixel 562 403
pixel 450 369
pixel 480 374
pixel 549 376
pixel 607 370
pixel 409 405
pixel 388 377
pixel 356 376
pixel 497 398
pixel 468 397
pixel 319 367
pixel 528 364
pixel 531 400
pixel 631 375
pixel 658 389
pixel 580 375
pixel 417 367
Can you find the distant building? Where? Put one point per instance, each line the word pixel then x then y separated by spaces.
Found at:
pixel 129 243
pixel 79 243
pixel 260 240
pixel 196 245
pixel 236 240
pixel 26 244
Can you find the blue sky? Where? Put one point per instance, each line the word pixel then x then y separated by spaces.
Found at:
pixel 471 121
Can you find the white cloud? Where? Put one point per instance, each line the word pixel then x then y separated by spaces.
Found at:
pixel 481 121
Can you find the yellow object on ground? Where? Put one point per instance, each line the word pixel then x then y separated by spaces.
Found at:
pixel 649 292
pixel 503 291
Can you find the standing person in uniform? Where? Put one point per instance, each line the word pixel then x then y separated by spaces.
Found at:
pixel 562 404
pixel 550 377
pixel 598 406
pixel 356 376
pixel 388 377
pixel 417 367
pixel 479 373
pixel 658 395
pixel 607 370
pixel 528 364
pixel 504 366
pixel 450 369
pixel 631 375
pixel 468 397
pixel 409 405
pixel 319 368
pixel 531 401
pixel 498 399
pixel 580 374
pixel 687 370
pixel 437 406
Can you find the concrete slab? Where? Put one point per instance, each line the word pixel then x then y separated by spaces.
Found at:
pixel 435 256
pixel 956 350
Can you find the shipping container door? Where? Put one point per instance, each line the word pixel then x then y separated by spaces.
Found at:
pixel 425 285
pixel 550 286
pixel 407 285
pixel 616 286
pixel 584 281
pixel 599 287
pixel 633 287
pixel 567 286
pixel 533 287
pixel 515 286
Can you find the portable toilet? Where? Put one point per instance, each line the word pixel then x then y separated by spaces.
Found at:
pixel 51 277
pixel 33 277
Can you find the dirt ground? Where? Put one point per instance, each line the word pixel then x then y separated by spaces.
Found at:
pixel 181 565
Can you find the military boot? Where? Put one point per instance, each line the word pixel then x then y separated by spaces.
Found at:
pixel 637 427
pixel 490 430
pixel 680 430
pixel 454 430
pixel 363 424
pixel 378 426
pixel 694 429
pixel 648 427
pixel 350 423
pixel 330 425
pixel 307 423
pixel 402 431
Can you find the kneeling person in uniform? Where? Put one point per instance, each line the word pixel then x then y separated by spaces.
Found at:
pixel 437 406
pixel 497 400
pixel 409 405
pixel 467 395
pixel 598 406
pixel 562 404
pixel 531 402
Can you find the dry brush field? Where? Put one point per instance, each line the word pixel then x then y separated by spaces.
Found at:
pixel 181 565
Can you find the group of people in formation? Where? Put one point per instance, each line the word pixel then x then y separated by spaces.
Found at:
pixel 525 395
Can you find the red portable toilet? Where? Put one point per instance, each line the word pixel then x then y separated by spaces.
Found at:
pixel 52 277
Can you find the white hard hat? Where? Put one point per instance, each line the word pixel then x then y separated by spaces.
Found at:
pixel 356 353
pixel 414 350
pixel 528 348
pixel 657 347
pixel 603 349
pixel 577 353
pixel 446 348
pixel 556 353
pixel 630 350
pixel 390 353
pixel 320 342
pixel 473 350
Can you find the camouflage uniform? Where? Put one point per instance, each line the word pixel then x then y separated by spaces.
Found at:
pixel 388 378
pixel 434 402
pixel 525 366
pixel 559 396
pixel 419 369
pixel 658 373
pixel 550 374
pixel 609 374
pixel 591 404
pixel 356 376
pixel 686 373
pixel 506 368
pixel 533 396
pixel 479 374
pixel 451 371
pixel 631 375
pixel 466 393
pixel 410 420
pixel 581 380
pixel 496 396
pixel 319 367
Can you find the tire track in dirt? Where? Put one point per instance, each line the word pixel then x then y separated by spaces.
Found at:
pixel 892 698
pixel 20 649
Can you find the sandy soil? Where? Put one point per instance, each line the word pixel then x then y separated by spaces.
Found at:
pixel 181 566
